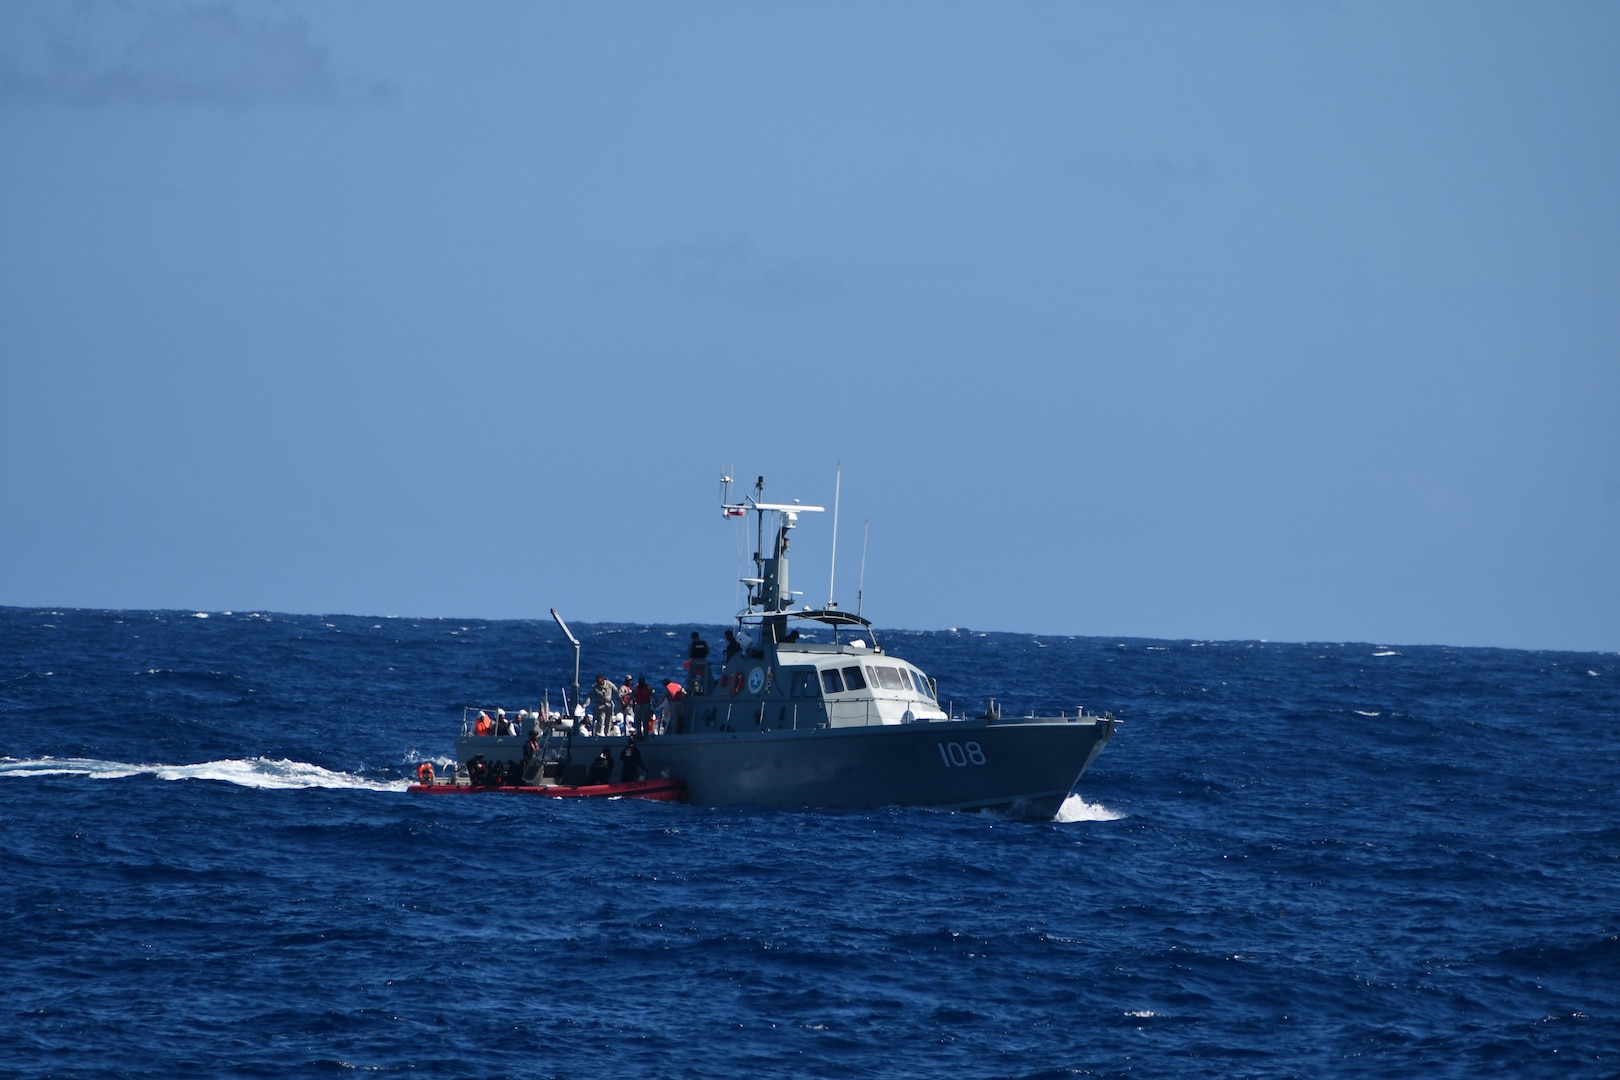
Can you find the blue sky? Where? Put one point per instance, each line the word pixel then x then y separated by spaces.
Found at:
pixel 1221 320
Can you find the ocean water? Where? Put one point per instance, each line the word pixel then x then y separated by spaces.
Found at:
pixel 1293 860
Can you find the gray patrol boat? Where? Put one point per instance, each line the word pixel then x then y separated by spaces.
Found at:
pixel 788 721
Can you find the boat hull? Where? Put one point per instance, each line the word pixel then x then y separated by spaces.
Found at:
pixel 1025 768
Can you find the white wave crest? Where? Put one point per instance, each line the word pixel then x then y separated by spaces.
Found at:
pixel 1075 808
pixel 249 772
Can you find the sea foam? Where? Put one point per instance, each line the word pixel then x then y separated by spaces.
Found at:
pixel 249 772
pixel 1075 808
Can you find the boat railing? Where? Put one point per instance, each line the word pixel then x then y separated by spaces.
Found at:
pixel 1077 715
pixel 754 713
pixel 519 721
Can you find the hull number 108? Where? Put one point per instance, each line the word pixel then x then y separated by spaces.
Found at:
pixel 959 755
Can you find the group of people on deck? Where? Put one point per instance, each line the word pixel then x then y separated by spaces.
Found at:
pixel 628 708
pixel 697 661
pixel 624 708
pixel 634 708
pixel 500 725
pixel 699 679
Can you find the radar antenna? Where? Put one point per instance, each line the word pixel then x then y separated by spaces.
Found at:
pixel 768 586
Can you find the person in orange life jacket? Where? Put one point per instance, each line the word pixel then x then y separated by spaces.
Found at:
pixel 482 725
pixel 672 693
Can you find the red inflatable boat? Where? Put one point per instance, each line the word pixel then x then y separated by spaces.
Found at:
pixel 658 789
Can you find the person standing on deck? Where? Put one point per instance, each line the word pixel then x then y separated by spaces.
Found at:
pixel 625 691
pixel 697 662
pixel 603 697
pixel 666 706
pixel 641 700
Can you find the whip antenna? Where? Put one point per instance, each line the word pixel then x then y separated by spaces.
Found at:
pixel 832 575
pixel 860 590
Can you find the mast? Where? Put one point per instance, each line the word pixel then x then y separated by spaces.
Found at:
pixel 768 591
pixel 770 600
pixel 759 540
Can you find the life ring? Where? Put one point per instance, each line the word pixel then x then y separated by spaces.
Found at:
pixel 424 772
pixel 736 684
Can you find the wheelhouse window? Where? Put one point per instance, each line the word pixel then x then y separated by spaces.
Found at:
pixel 889 678
pixel 804 684
pixel 852 678
pixel 924 687
pixel 831 682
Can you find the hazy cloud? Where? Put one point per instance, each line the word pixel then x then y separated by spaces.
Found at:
pixel 729 268
pixel 201 56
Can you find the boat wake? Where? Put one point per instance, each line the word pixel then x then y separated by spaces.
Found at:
pixel 249 772
pixel 1075 808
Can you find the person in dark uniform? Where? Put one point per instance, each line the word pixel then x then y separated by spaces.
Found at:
pixel 630 762
pixel 530 749
pixel 601 770
pixel 697 662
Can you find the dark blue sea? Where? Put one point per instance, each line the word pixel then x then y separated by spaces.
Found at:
pixel 1293 860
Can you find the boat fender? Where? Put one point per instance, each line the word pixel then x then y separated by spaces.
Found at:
pixel 736 684
pixel 424 772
